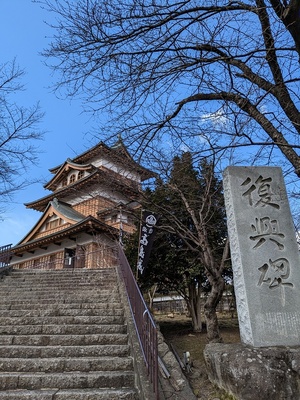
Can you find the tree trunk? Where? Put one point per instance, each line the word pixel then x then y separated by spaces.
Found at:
pixel 210 307
pixel 194 306
pixel 151 296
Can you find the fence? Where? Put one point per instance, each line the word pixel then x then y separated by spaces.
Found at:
pixel 145 326
pixel 77 259
pixel 5 254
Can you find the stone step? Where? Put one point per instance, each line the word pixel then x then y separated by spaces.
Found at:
pixel 66 271
pixel 58 286
pixel 13 351
pixel 88 280
pixel 61 306
pixel 66 380
pixel 90 272
pixel 65 320
pixel 61 329
pixel 71 287
pixel 70 394
pixel 63 337
pixel 63 282
pixel 60 275
pixel 59 279
pixel 52 365
pixel 64 340
pixel 86 296
pixel 63 285
pixel 61 299
pixel 57 312
pixel 57 293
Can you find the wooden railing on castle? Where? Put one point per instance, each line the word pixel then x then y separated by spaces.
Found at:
pixel 95 259
pixel 5 255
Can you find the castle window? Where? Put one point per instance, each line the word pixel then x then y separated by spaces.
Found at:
pixel 54 223
pixel 52 259
pixel 72 178
pixel 80 174
pixel 64 183
pixel 114 218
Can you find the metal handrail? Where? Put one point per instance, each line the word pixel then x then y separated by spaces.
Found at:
pixel 144 323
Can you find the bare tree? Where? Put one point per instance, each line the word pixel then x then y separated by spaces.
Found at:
pixel 18 131
pixel 190 252
pixel 208 240
pixel 226 72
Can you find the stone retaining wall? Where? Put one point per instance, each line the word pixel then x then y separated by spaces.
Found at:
pixel 250 373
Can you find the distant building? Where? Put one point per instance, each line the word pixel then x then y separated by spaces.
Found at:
pixel 90 206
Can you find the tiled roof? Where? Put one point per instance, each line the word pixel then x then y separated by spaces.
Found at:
pixel 66 210
pixel 98 175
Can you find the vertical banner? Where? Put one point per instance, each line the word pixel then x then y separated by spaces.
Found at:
pixel 120 215
pixel 121 231
pixel 147 233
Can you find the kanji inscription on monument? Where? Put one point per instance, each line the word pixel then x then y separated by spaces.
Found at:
pixel 265 256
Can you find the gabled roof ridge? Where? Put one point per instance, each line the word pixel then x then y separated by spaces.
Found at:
pixel 69 161
pixel 61 208
pixel 118 151
pixel 64 232
pixel 53 170
pixel 66 210
pixel 59 171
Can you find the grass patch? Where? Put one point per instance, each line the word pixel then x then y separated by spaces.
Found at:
pixel 177 331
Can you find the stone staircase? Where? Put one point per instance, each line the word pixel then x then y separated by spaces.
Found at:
pixel 63 336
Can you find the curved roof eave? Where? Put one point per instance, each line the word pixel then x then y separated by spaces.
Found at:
pixel 41 203
pixel 63 168
pixel 89 225
pixel 83 155
pixel 58 192
pixel 118 150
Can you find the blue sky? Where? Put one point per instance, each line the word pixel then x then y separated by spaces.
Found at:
pixel 23 35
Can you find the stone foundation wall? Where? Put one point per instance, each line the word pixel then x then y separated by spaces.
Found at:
pixel 247 373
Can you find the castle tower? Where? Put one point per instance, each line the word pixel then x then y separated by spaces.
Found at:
pixel 92 200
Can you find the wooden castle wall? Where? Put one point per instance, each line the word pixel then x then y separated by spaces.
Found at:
pixel 93 255
pixel 92 206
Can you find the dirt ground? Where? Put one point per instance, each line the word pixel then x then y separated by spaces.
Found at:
pixel 178 332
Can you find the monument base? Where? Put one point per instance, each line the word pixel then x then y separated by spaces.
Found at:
pixel 249 373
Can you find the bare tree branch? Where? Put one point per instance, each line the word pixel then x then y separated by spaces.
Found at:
pixel 157 67
pixel 18 132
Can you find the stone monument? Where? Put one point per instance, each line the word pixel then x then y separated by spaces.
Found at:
pixel 266 269
pixel 265 256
